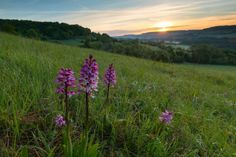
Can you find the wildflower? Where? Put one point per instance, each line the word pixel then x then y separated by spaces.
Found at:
pixel 166 117
pixel 88 80
pixel 66 81
pixel 110 78
pixel 60 121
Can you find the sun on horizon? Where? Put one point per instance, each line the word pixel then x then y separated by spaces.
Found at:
pixel 163 26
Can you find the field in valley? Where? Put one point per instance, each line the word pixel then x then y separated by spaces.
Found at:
pixel 201 97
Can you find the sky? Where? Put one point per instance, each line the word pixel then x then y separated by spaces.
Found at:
pixel 120 17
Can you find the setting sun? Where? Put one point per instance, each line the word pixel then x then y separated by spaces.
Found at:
pixel 163 26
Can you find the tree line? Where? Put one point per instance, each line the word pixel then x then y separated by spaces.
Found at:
pixel 45 30
pixel 200 53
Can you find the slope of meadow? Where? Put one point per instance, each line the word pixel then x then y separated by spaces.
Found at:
pixel 202 98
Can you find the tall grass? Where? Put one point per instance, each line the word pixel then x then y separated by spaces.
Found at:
pixel 203 99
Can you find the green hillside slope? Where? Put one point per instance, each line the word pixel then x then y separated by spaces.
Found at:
pixel 202 98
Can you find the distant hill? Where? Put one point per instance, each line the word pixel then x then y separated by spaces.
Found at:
pixel 173 51
pixel 49 30
pixel 220 36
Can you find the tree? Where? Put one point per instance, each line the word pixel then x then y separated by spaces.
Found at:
pixel 32 33
pixel 6 27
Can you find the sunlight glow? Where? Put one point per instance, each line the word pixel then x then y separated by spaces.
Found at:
pixel 163 26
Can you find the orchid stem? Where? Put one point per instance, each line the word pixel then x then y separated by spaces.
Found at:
pixel 87 109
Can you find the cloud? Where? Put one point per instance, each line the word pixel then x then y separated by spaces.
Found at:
pixel 223 19
pixel 133 16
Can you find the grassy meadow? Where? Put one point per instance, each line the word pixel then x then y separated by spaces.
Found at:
pixel 202 98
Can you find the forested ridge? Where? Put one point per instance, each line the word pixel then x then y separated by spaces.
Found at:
pixel 77 35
